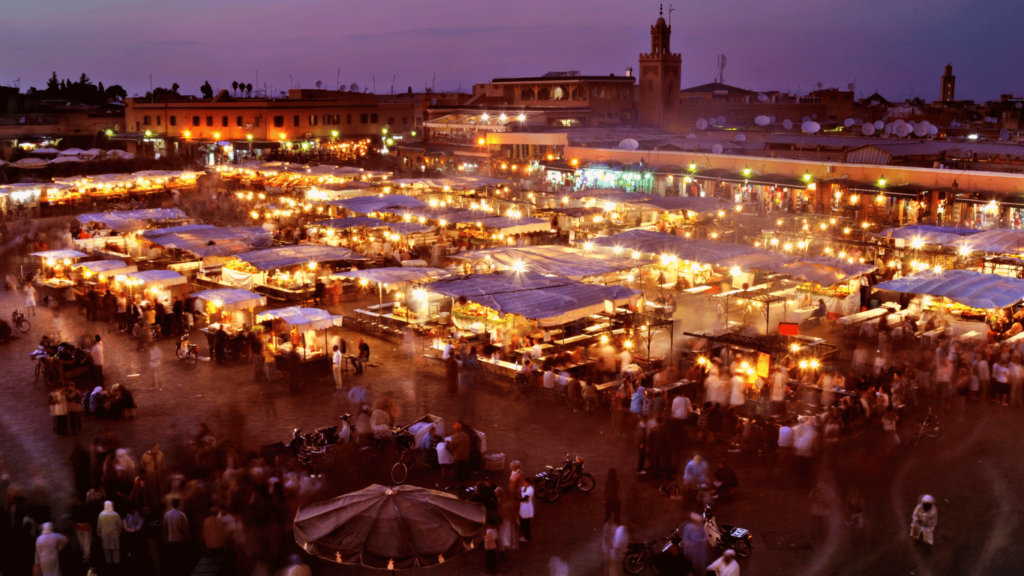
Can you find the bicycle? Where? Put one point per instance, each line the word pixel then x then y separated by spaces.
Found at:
pixel 20 322
pixel 402 443
pixel 929 426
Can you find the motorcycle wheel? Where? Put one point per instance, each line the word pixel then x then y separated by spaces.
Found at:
pixel 585 482
pixel 553 492
pixel 916 436
pixel 634 563
pixel 933 431
pixel 324 460
pixel 50 376
pixel 193 359
pixel 181 354
pixel 24 326
pixel 742 548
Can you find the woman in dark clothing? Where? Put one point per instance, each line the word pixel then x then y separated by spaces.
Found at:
pixel 612 503
pixel 451 370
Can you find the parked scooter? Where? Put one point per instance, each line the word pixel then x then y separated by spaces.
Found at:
pixel 725 537
pixel 550 483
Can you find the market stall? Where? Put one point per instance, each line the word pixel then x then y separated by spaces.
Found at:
pixel 573 263
pixel 284 272
pixel 163 286
pixel 408 308
pixel 227 309
pixel 55 270
pixel 102 223
pixel 98 274
pixel 295 341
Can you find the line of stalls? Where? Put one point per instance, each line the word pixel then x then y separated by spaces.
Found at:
pixel 300 338
pixel 757 287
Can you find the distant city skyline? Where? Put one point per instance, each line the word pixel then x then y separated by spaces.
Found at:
pixel 897 47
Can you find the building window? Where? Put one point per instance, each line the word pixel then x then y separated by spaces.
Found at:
pixel 405 120
pixel 650 86
pixel 195 120
pixel 278 121
pixel 348 118
pixel 238 121
pixel 158 120
pixel 145 120
pixel 337 119
pixel 209 121
pixel 172 120
pixel 224 121
pixel 374 119
pixel 313 120
pixel 256 122
pixel 391 120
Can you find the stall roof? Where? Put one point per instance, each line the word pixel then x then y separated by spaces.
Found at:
pixel 822 270
pixel 550 301
pixel 133 219
pixel 449 215
pixel 284 256
pixel 992 242
pixel 158 278
pixel 301 319
pixel 58 254
pixel 927 234
pixel 964 286
pixel 691 249
pixel 229 299
pixel 206 240
pixel 393 278
pixel 346 223
pixel 367 204
pixel 512 225
pixel 682 203
pixel 107 267
pixel 553 260
pixel 407 228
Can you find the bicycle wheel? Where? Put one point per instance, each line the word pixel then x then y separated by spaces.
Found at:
pixel 399 472
pixel 324 460
pixel 24 326
pixel 39 371
pixel 933 431
pixel 585 482
pixel 50 376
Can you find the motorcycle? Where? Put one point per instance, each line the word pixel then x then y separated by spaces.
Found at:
pixel 725 537
pixel 550 483
pixel 313 449
pixel 187 351
pixel 640 555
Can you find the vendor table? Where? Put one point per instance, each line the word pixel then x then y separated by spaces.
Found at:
pixel 867 314
pixel 303 370
pixel 286 294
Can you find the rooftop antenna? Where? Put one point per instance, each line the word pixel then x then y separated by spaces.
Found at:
pixel 670 9
pixel 433 82
pixel 393 76
pixel 374 78
pixel 721 68
pixel 337 80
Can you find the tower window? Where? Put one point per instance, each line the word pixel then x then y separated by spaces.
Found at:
pixel 650 86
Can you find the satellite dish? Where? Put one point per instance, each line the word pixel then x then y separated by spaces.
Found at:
pixel 874 102
pixel 433 101
pixel 903 130
pixel 772 118
pixel 762 120
pixel 354 87
pixel 819 85
pixel 933 130
pixel 810 127
pixel 889 128
pixel 692 136
pixel 859 122
pixel 720 120
pixel 867 129
pixel 1017 105
pixel 814 116
pixel 629 144
pixel 921 130
pixel 898 122
pixel 762 97
pixel 702 124
pixel 787 124
pixel 912 123
pixel 994 119
pixel 1004 134
pixel 319 83
pixel 741 137
pixel 848 122
pixel 805 119
pixel 717 149
pixel 851 86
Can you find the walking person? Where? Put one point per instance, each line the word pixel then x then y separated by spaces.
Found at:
pixel 695 543
pixel 154 368
pixel 612 501
pixel 30 301
pixel 109 527
pixel 47 555
pixel 923 521
pixel 526 509
pixel 508 531
pixel 491 549
pixel 59 411
pixel 336 364
pixel 97 359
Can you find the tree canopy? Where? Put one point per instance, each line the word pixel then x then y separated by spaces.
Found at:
pixel 81 92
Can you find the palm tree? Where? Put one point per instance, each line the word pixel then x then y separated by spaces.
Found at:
pixel 234 87
pixel 248 89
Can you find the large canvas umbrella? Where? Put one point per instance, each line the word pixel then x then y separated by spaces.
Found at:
pixel 390 527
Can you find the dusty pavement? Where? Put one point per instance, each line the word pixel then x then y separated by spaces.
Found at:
pixel 974 469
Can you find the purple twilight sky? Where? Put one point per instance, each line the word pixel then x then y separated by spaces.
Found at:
pixel 898 47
